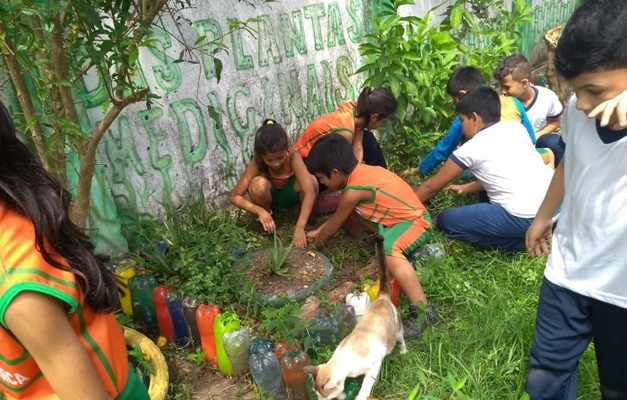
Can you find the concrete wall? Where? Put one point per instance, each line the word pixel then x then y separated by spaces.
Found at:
pixel 297 65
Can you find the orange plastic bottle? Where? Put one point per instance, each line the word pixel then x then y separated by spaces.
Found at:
pixel 163 316
pixel 205 317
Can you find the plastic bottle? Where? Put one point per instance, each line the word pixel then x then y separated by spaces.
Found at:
pixel 125 270
pixel 328 330
pixel 360 302
pixel 351 388
pixel 141 288
pixel 205 317
pixel 294 375
pixel 346 316
pixel 236 348
pixel 175 308
pixel 373 291
pixel 190 305
pixel 429 251
pixel 260 345
pixel 264 367
pixel 224 323
pixel 164 321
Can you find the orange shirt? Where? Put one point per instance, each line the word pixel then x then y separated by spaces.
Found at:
pixel 393 200
pixel 342 119
pixel 279 180
pixel 24 269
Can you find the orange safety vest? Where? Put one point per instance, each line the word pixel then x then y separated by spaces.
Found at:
pixel 24 269
pixel 393 200
pixel 342 119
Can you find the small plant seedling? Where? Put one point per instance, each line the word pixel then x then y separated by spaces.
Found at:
pixel 278 257
pixel 198 357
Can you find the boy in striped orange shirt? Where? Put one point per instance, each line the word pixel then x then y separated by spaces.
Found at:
pixel 383 199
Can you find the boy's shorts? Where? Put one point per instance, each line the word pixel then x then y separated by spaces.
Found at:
pixel 544 153
pixel 135 389
pixel 403 238
pixel 285 197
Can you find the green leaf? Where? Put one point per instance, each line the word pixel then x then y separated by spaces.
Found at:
pixel 218 64
pixel 456 16
pixel 133 55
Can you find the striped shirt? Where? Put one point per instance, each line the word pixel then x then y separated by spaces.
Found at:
pixel 24 269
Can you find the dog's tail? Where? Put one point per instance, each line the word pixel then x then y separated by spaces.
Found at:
pixel 384 274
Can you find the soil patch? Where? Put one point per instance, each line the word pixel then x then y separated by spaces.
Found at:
pixel 304 268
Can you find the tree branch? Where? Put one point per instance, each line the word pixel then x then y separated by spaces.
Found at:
pixel 23 95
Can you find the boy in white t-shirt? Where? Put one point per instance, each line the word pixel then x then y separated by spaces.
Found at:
pixel 507 167
pixel 541 104
pixel 584 292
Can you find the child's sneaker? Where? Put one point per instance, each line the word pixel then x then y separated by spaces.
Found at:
pixel 418 320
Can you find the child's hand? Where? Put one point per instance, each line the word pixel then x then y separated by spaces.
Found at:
pixel 538 237
pixel 311 235
pixel 266 220
pixel 300 238
pixel 457 189
pixel 613 112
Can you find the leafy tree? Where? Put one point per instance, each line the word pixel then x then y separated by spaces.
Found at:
pixel 49 46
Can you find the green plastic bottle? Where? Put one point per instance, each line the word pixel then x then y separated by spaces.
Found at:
pixel 143 304
pixel 224 323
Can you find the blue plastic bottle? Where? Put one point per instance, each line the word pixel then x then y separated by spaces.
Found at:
pixel 175 308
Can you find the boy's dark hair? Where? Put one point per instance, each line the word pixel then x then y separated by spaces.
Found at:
pixel 29 190
pixel 484 101
pixel 464 78
pixel 329 153
pixel 380 101
pixel 595 38
pixel 515 65
pixel 270 138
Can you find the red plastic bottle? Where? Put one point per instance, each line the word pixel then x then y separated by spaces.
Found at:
pixel 163 316
pixel 205 316
pixel 396 292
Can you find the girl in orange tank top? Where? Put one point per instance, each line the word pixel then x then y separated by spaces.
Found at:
pixel 276 177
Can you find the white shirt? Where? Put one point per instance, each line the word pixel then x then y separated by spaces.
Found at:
pixel 588 254
pixel 544 105
pixel 508 166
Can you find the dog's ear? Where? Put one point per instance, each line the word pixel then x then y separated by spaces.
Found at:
pixel 311 370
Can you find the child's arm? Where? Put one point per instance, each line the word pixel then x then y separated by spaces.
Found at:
pixel 349 200
pixel 41 325
pixel 524 119
pixel 613 112
pixel 540 231
pixel 467 188
pixel 552 124
pixel 358 146
pixel 446 175
pixel 309 190
pixel 237 197
pixel 443 149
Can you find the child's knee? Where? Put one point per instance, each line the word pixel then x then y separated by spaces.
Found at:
pixel 259 186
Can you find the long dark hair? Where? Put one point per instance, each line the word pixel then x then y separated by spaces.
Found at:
pixel 270 138
pixel 380 101
pixel 27 188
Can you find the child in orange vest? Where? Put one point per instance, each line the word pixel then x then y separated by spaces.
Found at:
pixel 58 335
pixel 276 177
pixel 354 122
pixel 385 200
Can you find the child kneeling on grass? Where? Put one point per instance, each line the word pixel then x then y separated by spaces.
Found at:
pixel 584 292
pixel 276 177
pixel 384 199
pixel 507 167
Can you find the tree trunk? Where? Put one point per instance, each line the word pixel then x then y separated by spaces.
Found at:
pixel 556 83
